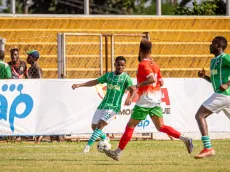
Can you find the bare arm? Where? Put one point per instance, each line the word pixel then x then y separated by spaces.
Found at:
pixel 201 74
pixel 86 84
pixel 129 99
pixel 225 86
pixel 148 81
pixel 207 78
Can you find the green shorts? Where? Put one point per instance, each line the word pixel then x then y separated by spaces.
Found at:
pixel 140 113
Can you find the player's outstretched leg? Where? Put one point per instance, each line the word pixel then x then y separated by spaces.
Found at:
pixel 123 142
pixel 172 132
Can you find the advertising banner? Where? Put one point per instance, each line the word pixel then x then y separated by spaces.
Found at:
pixel 51 107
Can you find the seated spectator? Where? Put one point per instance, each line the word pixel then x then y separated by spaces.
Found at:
pixel 18 67
pixel 5 72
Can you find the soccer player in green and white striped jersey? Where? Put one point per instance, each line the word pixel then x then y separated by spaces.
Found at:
pixel 117 83
pixel 220 100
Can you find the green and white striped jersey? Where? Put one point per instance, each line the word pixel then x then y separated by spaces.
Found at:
pixel 116 86
pixel 220 72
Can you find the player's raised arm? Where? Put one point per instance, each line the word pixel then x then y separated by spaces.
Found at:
pixel 85 84
pixel 202 74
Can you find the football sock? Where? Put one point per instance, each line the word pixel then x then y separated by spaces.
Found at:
pixel 206 141
pixel 170 131
pixel 118 150
pixel 182 138
pixel 126 137
pixel 96 134
pixel 102 136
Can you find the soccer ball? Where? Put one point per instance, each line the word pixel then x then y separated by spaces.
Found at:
pixel 102 145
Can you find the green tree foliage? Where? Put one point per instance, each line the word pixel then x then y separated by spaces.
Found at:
pixel 120 7
pixel 166 9
pixel 216 7
pixel 117 6
pixel 130 7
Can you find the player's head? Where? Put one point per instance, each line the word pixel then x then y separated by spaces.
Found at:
pixel 2 55
pixel 145 49
pixel 14 55
pixel 219 44
pixel 33 56
pixel 119 64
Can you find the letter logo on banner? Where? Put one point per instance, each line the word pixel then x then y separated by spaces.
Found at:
pixel 143 123
pixel 21 98
pixel 165 96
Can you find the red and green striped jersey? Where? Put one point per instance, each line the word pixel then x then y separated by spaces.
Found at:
pixel 220 72
pixel 116 86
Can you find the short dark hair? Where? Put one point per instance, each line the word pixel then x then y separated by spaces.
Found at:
pixel 120 58
pixel 222 41
pixel 14 49
pixel 2 54
pixel 145 46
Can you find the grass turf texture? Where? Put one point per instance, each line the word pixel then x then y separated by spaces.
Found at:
pixel 139 156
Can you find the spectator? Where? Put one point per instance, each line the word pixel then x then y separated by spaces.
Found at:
pixel 34 71
pixel 32 59
pixel 18 67
pixel 5 72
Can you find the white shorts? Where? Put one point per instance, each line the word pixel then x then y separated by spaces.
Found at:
pixel 218 102
pixel 103 114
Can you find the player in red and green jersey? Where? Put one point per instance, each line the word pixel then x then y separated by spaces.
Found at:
pixel 117 83
pixel 149 81
pixel 220 100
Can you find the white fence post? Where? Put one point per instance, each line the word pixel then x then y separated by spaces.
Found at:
pixel 2 43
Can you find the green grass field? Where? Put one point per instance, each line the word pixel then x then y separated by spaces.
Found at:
pixel 162 156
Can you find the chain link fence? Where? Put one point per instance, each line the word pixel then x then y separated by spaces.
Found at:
pixel 86 55
pixel 81 55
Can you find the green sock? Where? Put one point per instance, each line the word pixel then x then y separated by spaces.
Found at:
pixel 96 134
pixel 206 141
pixel 103 136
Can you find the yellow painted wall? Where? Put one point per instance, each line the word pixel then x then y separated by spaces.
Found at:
pixel 180 44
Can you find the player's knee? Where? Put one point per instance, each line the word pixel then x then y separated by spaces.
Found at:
pixel 93 126
pixel 101 124
pixel 198 117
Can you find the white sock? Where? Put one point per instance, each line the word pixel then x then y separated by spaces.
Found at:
pixel 118 151
pixel 182 138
